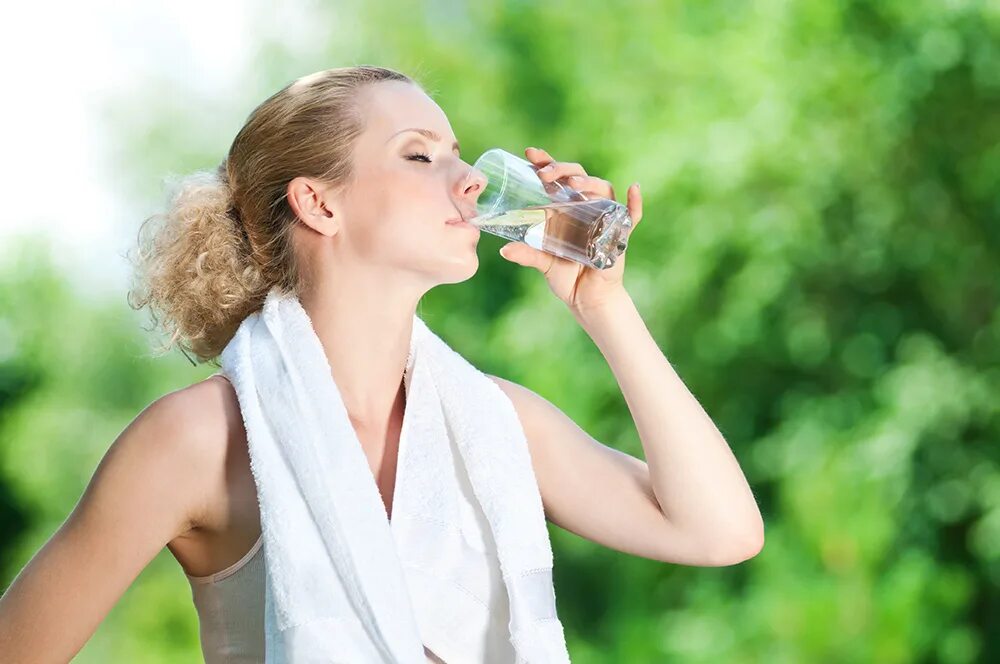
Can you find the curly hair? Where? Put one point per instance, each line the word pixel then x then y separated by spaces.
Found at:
pixel 223 241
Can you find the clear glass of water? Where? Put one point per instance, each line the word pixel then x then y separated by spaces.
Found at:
pixel 518 205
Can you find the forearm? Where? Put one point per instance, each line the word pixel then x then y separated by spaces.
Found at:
pixel 694 475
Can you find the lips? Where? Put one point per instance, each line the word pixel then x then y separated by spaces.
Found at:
pixel 461 223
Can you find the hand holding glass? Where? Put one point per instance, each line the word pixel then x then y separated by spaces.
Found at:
pixel 518 205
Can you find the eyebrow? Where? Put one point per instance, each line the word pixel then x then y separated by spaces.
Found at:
pixel 433 135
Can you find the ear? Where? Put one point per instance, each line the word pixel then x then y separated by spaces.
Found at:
pixel 314 204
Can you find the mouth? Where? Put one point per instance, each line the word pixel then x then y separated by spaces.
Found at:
pixel 460 223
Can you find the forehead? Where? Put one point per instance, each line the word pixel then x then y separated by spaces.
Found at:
pixel 390 106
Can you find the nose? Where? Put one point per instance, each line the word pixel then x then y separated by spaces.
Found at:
pixel 472 185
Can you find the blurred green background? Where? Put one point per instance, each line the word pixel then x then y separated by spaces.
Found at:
pixel 819 259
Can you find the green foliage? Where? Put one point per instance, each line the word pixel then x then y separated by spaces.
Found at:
pixel 818 259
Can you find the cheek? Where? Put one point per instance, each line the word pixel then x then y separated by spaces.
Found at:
pixel 390 226
pixel 393 215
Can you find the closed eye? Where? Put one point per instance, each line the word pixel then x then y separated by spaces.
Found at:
pixel 416 156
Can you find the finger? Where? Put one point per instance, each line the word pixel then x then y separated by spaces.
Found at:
pixel 538 156
pixel 574 174
pixel 522 254
pixel 560 169
pixel 551 168
pixel 634 203
pixel 587 184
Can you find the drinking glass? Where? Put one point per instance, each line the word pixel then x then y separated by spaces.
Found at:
pixel 518 205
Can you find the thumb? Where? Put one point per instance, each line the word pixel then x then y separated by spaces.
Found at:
pixel 522 254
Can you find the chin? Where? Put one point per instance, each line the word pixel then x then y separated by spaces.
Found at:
pixel 463 269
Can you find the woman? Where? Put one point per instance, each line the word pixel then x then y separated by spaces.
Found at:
pixel 340 187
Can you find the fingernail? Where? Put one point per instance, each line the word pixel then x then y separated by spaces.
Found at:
pixel 545 168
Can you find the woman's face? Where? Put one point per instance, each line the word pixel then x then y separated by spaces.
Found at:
pixel 407 186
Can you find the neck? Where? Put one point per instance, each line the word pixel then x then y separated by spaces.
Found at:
pixel 365 331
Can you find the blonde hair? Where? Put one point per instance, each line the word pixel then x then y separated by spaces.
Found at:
pixel 224 239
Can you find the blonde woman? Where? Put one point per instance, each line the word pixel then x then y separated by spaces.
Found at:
pixel 341 188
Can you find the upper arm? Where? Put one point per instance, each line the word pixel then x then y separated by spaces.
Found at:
pixel 595 491
pixel 149 487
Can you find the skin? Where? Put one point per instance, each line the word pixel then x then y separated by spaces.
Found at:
pixel 178 475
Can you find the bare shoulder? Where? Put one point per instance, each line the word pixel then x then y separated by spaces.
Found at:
pixel 211 412
pixel 531 407
pixel 202 426
pixel 205 404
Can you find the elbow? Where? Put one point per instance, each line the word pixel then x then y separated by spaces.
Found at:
pixel 739 550
pixel 754 546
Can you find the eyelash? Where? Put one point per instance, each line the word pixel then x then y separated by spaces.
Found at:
pixel 419 154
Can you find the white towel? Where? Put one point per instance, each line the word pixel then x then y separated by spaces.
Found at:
pixel 335 585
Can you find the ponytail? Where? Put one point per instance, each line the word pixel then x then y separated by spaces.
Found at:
pixel 194 267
